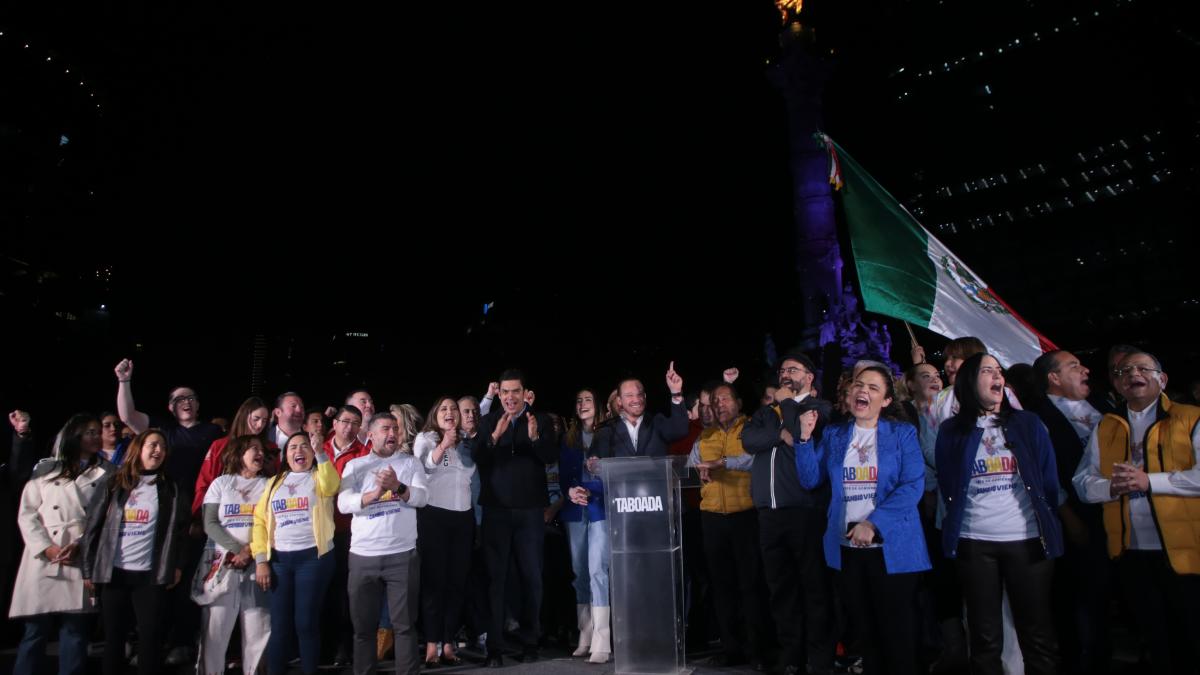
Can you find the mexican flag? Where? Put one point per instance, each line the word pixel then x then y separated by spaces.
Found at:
pixel 906 273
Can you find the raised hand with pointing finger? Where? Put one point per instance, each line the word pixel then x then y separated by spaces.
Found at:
pixel 674 381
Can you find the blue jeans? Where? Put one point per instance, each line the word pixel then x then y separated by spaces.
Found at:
pixel 589 560
pixel 299 580
pixel 73 630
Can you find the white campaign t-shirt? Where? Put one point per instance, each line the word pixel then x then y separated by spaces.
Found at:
pixel 389 525
pixel 998 506
pixel 235 497
pixel 135 547
pixel 860 473
pixel 1082 416
pixel 292 507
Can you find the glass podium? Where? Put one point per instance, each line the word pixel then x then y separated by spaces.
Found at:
pixel 643 510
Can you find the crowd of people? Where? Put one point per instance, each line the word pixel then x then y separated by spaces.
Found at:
pixel 993 521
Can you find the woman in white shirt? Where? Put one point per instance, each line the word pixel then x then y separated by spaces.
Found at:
pixel 136 524
pixel 228 513
pixel 291 542
pixel 445 528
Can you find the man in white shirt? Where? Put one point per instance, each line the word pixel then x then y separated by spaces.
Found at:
pixel 1143 464
pixel 382 490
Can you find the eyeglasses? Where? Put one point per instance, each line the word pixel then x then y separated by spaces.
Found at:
pixel 184 399
pixel 1140 370
pixel 792 370
pixel 353 423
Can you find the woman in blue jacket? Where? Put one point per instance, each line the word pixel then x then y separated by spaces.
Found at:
pixel 877 474
pixel 583 513
pixel 996 471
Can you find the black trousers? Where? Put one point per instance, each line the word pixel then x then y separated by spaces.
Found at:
pixel 130 596
pixel 986 569
pixel 1084 583
pixel 794 568
pixel 1167 608
pixel 444 538
pixel 732 548
pixel 338 635
pixel 519 533
pixel 183 617
pixel 882 610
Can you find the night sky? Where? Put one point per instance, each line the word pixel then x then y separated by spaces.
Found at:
pixel 614 177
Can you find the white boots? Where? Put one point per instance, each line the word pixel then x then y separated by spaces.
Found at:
pixel 601 635
pixel 583 613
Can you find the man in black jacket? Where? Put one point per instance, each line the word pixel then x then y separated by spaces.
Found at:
pixel 512 447
pixel 1070 412
pixel 633 434
pixel 791 520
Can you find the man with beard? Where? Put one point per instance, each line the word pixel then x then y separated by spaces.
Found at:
pixel 1142 463
pixel 791 520
pixel 382 491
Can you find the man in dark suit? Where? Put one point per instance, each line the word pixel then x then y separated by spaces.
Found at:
pixel 1070 411
pixel 791 520
pixel 512 447
pixel 635 435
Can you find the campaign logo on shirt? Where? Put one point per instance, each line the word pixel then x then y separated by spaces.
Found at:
pixel 289 505
pixel 237 516
pixel 859 481
pixel 995 469
pixel 860 474
pixel 136 516
pixel 1086 420
pixel 238 510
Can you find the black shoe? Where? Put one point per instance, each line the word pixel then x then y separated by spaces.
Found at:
pixel 529 654
pixel 493 661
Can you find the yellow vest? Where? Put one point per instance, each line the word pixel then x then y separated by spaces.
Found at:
pixel 729 491
pixel 1168 447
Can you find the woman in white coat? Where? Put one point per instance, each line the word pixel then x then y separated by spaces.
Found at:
pixel 50 592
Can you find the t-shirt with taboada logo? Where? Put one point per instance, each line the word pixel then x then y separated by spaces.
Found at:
pixel 236 497
pixel 135 546
pixel 998 507
pixel 291 505
pixel 860 476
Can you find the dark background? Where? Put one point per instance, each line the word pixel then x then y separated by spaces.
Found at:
pixel 260 185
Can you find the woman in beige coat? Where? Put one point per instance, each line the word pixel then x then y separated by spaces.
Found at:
pixel 50 591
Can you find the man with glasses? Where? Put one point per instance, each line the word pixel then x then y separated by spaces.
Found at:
pixel 341 447
pixel 188 438
pixel 791 520
pixel 1143 464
